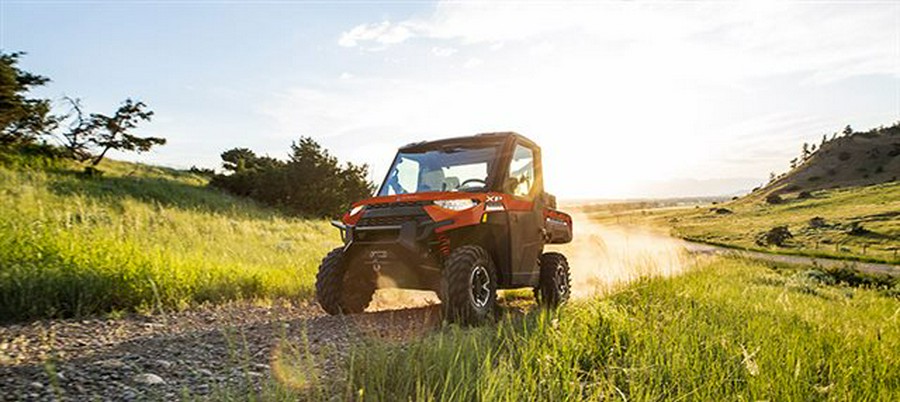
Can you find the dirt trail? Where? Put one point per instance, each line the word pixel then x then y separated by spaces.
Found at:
pixel 241 345
pixel 865 267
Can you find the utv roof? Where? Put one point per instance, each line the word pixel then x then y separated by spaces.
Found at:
pixel 478 139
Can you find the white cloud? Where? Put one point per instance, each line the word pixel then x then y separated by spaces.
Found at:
pixel 443 51
pixel 829 41
pixel 383 33
pixel 473 62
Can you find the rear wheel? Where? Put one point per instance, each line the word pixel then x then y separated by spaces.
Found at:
pixel 555 285
pixel 469 294
pixel 342 287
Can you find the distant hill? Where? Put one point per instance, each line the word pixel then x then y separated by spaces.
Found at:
pixel 853 159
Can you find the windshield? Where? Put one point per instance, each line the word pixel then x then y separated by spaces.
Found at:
pixel 453 168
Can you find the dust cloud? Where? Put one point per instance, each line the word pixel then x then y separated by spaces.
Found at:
pixel 602 257
pixel 392 298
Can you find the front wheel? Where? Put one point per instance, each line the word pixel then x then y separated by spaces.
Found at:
pixel 555 285
pixel 469 286
pixel 343 287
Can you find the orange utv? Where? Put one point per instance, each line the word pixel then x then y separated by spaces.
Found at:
pixel 463 217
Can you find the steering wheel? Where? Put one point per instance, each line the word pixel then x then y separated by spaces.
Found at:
pixel 463 184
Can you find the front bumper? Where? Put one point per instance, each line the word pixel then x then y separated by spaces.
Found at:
pixel 398 243
pixel 410 235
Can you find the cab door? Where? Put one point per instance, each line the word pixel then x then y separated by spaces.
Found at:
pixel 525 215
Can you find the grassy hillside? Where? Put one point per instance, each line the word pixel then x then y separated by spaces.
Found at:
pixel 860 223
pixel 841 201
pixel 857 159
pixel 140 238
pixel 727 330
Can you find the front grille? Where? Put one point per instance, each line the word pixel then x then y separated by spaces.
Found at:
pixel 394 214
pixel 377 235
pixel 399 204
pixel 390 220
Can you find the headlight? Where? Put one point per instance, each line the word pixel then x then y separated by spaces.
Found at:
pixel 456 205
pixel 357 209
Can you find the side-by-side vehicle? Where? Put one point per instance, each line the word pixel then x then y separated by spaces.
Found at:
pixel 463 217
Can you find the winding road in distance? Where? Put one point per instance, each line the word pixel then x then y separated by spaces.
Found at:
pixel 866 267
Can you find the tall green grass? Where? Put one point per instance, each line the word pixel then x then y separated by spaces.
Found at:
pixel 140 238
pixel 728 330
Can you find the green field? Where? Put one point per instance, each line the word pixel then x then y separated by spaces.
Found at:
pixel 873 210
pixel 729 329
pixel 141 238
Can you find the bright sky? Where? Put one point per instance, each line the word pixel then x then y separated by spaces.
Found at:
pixel 626 99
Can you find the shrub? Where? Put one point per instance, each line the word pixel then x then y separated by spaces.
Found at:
pixel 815 276
pixel 774 199
pixel 204 172
pixel 857 229
pixel 777 236
pixel 817 222
pixel 310 183
pixel 804 195
pixel 847 275
pixel 895 150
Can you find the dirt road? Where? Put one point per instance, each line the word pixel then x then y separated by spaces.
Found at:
pixel 867 267
pixel 236 346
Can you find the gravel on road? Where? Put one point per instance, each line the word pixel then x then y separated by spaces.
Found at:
pixel 192 353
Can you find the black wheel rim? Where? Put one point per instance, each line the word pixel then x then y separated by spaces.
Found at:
pixel 562 282
pixel 479 286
